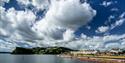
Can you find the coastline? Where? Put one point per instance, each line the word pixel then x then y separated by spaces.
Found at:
pixel 95 59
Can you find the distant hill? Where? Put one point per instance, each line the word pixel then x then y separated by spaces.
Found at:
pixel 40 50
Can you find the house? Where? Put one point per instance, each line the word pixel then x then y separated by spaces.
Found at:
pixel 75 53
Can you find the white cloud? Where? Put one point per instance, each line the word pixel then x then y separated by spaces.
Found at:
pixel 24 2
pixel 63 15
pixel 112 45
pixel 88 27
pixel 115 9
pixel 17 24
pixel 102 29
pixel 99 42
pixel 122 15
pixel 108 3
pixel 68 35
pixel 3 32
pixel 2 2
pixel 111 17
pixel 119 22
pixel 83 36
pixel 95 42
pixel 62 19
pixel 6 46
pixel 123 45
pixel 39 4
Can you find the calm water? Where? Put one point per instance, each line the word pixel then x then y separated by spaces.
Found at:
pixel 8 58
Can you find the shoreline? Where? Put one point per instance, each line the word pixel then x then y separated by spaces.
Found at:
pixel 95 59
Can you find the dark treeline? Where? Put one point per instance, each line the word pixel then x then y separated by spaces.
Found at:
pixel 40 50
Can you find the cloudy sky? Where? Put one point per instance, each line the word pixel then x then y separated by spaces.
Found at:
pixel 76 24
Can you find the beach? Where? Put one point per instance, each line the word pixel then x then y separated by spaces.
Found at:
pixel 96 59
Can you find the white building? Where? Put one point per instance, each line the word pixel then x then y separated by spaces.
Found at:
pixel 84 52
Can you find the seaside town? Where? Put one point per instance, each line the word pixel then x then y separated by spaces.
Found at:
pixel 114 55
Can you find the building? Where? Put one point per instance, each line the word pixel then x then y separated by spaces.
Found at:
pixel 76 53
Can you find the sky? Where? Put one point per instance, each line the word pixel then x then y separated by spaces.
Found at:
pixel 76 24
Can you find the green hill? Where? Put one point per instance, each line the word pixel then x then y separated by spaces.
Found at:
pixel 40 50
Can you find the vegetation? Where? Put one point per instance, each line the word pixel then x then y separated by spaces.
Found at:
pixel 20 50
pixel 39 50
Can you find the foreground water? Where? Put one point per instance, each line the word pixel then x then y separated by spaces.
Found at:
pixel 8 58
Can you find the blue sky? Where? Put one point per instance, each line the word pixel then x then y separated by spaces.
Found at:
pixel 108 20
pixel 102 16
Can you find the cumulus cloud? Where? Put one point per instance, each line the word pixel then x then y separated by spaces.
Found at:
pixel 60 22
pixel 24 2
pixel 68 35
pixel 96 42
pixel 63 15
pixel 17 23
pixel 2 2
pixel 39 4
pixel 99 42
pixel 102 29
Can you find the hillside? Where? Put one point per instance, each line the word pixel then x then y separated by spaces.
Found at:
pixel 40 50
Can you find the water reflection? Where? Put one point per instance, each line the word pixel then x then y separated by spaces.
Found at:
pixel 8 58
